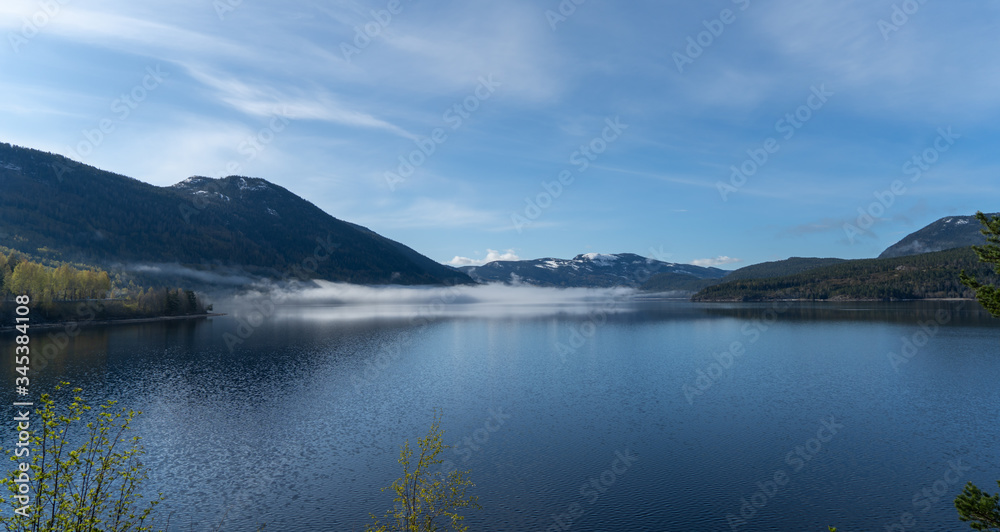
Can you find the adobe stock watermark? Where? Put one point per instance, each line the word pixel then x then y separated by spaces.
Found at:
pixel 796 459
pixel 912 344
pixel 787 126
pixel 592 490
pixel 86 313
pixel 390 352
pixel 565 9
pixel 714 28
pixel 121 109
pixel 263 308
pixel 453 117
pixel 581 159
pixel 381 360
pixel 643 274
pixel 62 168
pixel 467 446
pixel 580 334
pixel 901 14
pixel 32 25
pixel 250 147
pixel 929 496
pixel 914 167
pixel 225 7
pixel 726 360
pixel 660 254
pixel 367 32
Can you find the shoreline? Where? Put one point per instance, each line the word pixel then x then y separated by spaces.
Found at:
pixel 120 321
pixel 832 300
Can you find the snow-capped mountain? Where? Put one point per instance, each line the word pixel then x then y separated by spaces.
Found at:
pixel 947 233
pixel 586 270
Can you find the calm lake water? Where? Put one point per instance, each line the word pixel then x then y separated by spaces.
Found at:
pixel 583 416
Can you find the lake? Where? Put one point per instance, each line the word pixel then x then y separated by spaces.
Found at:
pixel 582 413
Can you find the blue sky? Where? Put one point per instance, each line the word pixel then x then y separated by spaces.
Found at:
pixel 537 128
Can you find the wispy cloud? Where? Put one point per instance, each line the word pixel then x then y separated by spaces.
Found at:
pixel 716 262
pixel 267 101
pixel 492 255
pixel 821 226
pixel 144 36
pixel 692 181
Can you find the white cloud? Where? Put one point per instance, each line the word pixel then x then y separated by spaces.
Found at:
pixel 139 36
pixel 491 256
pixel 716 262
pixel 266 101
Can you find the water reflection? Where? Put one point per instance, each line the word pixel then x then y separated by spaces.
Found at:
pixel 300 424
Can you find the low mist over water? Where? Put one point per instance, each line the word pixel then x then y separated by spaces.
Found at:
pixel 338 301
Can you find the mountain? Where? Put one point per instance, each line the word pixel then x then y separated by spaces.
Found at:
pixel 789 266
pixel 591 270
pixel 947 233
pixel 677 282
pixel 924 276
pixel 671 281
pixel 925 264
pixel 56 208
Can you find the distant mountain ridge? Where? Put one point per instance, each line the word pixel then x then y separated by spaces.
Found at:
pixel 593 270
pixel 946 233
pixel 789 266
pixel 924 264
pixel 923 276
pixel 56 207
pixel 665 282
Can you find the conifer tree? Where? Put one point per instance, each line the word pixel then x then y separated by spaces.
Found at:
pixel 988 295
pixel 981 510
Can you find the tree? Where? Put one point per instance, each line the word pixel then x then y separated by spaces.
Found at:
pixel 987 295
pixel 62 279
pixel 973 505
pixel 30 278
pixel 426 494
pixel 84 476
pixel 5 272
pixel 173 302
pixel 981 509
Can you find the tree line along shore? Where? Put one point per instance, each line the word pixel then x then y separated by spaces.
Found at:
pixel 64 292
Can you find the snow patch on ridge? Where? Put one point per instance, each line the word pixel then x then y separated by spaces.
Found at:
pixel 244 185
pixel 193 182
pixel 603 260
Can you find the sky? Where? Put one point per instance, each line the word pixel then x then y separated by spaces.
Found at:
pixel 713 132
